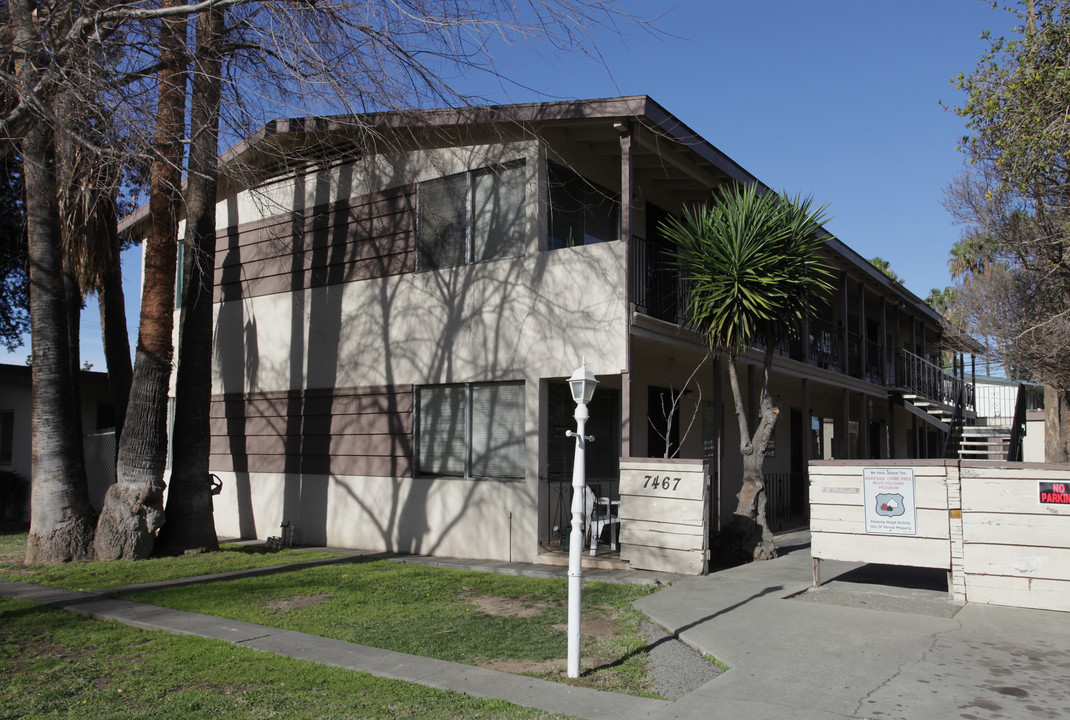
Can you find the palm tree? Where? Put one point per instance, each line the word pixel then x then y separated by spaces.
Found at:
pixel 970 257
pixel 61 518
pixel 133 506
pixel 886 267
pixel 753 267
pixel 189 523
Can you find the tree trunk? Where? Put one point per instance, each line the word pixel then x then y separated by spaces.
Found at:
pixel 747 536
pixel 1056 425
pixel 133 506
pixel 113 325
pixel 190 524
pixel 61 518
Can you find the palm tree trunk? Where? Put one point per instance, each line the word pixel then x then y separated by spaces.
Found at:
pixel 61 518
pixel 113 326
pixel 190 524
pixel 133 506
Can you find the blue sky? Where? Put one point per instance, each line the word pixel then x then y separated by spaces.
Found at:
pixel 838 99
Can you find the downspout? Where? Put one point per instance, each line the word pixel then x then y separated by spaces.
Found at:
pixel 625 130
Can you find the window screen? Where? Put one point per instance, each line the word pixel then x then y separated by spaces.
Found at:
pixel 442 429
pixel 498 213
pixel 442 233
pixel 498 430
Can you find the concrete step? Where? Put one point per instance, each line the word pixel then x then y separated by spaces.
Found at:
pixel 604 560
pixel 984 430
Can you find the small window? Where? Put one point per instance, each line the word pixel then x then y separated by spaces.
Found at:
pixel 7 435
pixel 473 430
pixel 581 212
pixel 474 216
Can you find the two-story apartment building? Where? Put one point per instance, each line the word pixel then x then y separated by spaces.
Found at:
pixel 400 298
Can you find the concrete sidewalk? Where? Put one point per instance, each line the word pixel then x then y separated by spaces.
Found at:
pixel 895 651
pixel 871 643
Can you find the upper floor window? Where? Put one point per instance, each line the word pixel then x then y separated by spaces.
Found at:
pixel 471 217
pixel 581 212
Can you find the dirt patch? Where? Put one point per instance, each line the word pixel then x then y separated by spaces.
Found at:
pixel 521 607
pixel 597 625
pixel 298 602
pixel 528 667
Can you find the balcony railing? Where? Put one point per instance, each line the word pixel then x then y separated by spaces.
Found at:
pixel 826 345
pixel 655 285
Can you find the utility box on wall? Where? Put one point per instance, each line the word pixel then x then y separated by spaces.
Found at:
pixel 664 510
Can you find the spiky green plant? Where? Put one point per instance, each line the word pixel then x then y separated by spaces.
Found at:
pixel 754 267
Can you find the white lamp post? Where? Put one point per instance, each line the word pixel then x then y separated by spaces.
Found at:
pixel 582 384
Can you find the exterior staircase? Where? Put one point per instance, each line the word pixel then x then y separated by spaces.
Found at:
pixel 985 442
pixel 948 403
pixel 940 398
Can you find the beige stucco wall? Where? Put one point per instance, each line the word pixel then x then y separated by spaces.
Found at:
pixel 525 318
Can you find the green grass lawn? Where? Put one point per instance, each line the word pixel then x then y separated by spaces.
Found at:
pixel 510 623
pixel 118 573
pixel 12 537
pixel 56 664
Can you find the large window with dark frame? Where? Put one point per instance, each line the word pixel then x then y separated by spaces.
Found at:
pixel 471 430
pixel 471 217
pixel 581 212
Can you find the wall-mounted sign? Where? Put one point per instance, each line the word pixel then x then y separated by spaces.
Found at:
pixel 1054 493
pixel 888 495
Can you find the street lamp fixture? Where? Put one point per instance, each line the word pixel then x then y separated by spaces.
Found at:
pixel 582 384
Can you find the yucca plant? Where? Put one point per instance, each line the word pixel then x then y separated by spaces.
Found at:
pixel 753 265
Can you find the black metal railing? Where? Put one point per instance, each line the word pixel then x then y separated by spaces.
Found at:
pixel 920 377
pixel 787 502
pixel 953 439
pixel 826 344
pixel 874 363
pixel 655 285
pixel 854 354
pixel 1014 451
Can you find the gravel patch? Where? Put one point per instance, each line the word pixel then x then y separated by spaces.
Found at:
pixel 676 668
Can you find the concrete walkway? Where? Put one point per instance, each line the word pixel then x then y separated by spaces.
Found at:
pixel 896 649
pixel 855 648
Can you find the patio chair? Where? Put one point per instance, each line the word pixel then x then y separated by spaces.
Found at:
pixel 601 512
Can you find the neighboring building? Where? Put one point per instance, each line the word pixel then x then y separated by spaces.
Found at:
pixel 98 425
pixel 394 328
pixel 1008 412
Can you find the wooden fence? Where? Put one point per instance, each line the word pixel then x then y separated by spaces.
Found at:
pixel 1001 530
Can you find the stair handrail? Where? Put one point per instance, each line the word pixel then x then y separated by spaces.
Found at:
pixel 953 439
pixel 928 380
pixel 1014 450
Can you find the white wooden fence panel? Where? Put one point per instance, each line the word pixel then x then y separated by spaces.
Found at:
pixel 664 511
pixel 1023 592
pixel 1045 531
pixel 885 549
